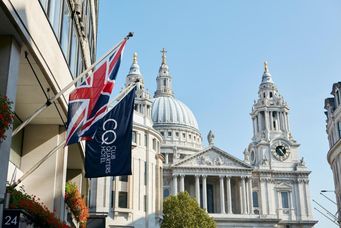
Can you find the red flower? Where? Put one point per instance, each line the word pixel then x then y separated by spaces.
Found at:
pixel 6 116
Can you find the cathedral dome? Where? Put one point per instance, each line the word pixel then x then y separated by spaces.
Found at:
pixel 168 110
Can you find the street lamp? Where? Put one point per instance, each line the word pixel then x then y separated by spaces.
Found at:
pixel 323 191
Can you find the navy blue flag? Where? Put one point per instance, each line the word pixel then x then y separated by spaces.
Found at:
pixel 109 152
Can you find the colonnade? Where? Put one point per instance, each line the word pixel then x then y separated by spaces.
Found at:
pixel 225 190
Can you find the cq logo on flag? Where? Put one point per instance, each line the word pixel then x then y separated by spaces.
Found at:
pixel 109 134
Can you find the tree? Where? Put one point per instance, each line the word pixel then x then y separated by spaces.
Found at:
pixel 184 211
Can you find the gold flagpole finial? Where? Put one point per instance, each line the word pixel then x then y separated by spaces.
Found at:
pixel 266 69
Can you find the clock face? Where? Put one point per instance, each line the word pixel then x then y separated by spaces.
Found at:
pixel 280 152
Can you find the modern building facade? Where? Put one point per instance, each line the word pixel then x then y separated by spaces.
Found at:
pixel 43 46
pixel 333 129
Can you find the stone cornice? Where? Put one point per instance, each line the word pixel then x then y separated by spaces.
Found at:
pixel 212 172
pixel 281 174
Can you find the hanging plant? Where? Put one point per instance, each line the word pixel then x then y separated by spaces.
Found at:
pixel 76 203
pixel 6 116
pixel 40 214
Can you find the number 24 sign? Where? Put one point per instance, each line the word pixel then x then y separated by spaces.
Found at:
pixel 11 219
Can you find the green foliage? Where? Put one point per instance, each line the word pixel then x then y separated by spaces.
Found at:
pixel 183 211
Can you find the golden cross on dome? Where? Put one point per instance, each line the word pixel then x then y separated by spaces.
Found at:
pixel 135 58
pixel 266 67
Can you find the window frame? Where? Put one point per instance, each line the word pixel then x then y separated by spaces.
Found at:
pixel 67 54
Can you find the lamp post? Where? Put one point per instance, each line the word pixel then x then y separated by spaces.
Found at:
pixel 337 212
pixel 323 191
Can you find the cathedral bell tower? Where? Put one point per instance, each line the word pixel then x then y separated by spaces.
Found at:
pixel 272 143
pixel 143 103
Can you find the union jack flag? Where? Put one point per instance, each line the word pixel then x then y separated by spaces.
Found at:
pixel 88 102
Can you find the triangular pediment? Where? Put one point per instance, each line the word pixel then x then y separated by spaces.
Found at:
pixel 212 157
pixel 283 186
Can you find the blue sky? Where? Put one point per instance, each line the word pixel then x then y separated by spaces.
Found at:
pixel 216 51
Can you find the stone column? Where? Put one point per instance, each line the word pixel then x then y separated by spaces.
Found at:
pixel 266 117
pixel 270 119
pixel 204 192
pixel 250 195
pixel 282 121
pixel 182 183
pixel 305 183
pixel 287 120
pixel 271 197
pixel 197 189
pixel 263 196
pixel 9 72
pixel 166 158
pixel 254 126
pixel 228 195
pixel 175 184
pixel 222 198
pixel 247 196
pixel 243 196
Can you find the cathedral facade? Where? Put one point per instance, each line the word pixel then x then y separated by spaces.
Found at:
pixel 268 187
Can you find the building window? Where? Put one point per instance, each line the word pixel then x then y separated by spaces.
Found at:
pixel 270 94
pixel 123 199
pixel 165 193
pixel 55 9
pixel 124 178
pixel 190 136
pixel 66 28
pixel 154 144
pixel 274 124
pixel 183 135
pixel 255 199
pixel 74 52
pixel 145 140
pixel 162 133
pixel 133 139
pixel 285 199
pixel 177 134
pixel 169 134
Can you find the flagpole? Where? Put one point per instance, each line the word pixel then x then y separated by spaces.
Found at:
pixel 117 99
pixel 61 92
pixel 36 166
pixel 121 95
